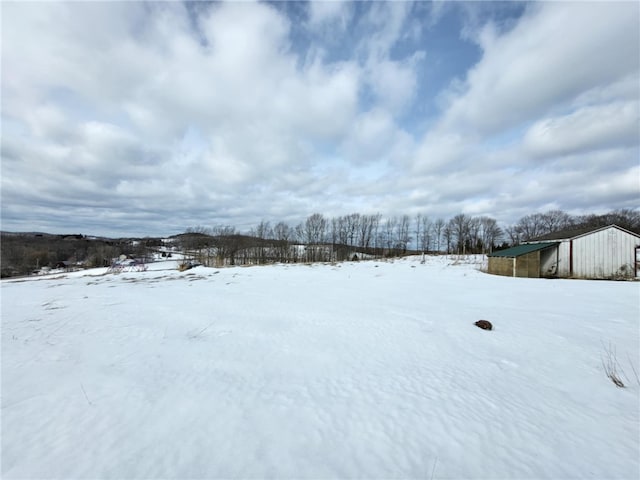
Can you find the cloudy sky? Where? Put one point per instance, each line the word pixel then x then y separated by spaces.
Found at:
pixel 133 118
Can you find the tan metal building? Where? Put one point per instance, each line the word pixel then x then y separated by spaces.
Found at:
pixel 605 252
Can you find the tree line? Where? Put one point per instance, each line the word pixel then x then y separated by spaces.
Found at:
pixel 321 238
pixel 317 238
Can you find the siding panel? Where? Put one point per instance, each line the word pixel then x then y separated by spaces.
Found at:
pixel 501 266
pixel 604 254
pixel 563 259
pixel 528 265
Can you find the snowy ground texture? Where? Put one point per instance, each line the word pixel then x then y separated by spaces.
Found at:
pixel 355 370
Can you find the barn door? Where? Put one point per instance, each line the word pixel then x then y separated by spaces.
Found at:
pixel 637 262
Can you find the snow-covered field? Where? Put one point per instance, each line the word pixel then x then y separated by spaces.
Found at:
pixel 355 370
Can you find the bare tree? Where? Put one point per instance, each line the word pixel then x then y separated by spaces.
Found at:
pixel 427 230
pixel 353 225
pixel 367 226
pixel 315 231
pixel 402 233
pixel 490 233
pixel 474 241
pixel 368 235
pixel 555 220
pixel 283 235
pixel 375 229
pixel 263 232
pixel 438 227
pixel 197 243
pixel 459 229
pixel 418 230
pixel 513 234
pixel 339 237
pixel 531 226
pixel 299 233
pixel 334 234
pixel 625 218
pixel 282 231
pixel 389 233
pixel 227 244
pixel 343 230
pixel 448 235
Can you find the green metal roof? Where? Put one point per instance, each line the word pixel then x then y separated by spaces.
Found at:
pixel 522 249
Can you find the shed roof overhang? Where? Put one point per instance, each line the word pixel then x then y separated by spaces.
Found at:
pixel 523 249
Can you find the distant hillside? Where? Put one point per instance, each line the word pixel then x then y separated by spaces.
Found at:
pixel 24 252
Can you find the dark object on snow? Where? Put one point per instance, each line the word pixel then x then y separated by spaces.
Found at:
pixel 484 324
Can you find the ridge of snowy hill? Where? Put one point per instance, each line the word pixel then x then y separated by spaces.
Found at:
pixel 367 369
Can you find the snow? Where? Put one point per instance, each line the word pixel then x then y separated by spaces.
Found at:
pixel 365 369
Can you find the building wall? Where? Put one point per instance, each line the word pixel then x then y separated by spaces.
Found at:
pixel 501 266
pixel 528 265
pixel 605 254
pixel 564 255
pixel 549 262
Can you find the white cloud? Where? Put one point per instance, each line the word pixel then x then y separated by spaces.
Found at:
pixel 556 52
pixel 334 13
pixel 626 89
pixel 441 150
pixel 386 23
pixel 375 144
pixel 561 84
pixel 590 128
pixel 394 82
pixel 46 120
pixel 219 112
pixel 322 100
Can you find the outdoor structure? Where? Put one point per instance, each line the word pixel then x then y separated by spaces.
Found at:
pixel 605 252
pixel 529 260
